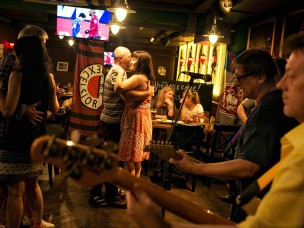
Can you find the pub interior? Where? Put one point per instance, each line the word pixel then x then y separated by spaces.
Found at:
pixel 177 34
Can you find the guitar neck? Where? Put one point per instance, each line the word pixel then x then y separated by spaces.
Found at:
pixel 90 166
pixel 171 202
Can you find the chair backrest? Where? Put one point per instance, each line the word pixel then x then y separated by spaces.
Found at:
pixel 222 137
pixel 189 136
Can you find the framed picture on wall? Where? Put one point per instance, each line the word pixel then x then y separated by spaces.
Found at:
pixel 162 70
pixel 62 66
pixel 293 23
pixel 262 35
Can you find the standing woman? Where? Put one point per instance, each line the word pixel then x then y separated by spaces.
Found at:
pixel 136 124
pixel 163 102
pixel 29 82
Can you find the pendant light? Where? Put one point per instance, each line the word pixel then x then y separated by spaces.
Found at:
pixel 121 9
pixel 214 33
pixel 115 26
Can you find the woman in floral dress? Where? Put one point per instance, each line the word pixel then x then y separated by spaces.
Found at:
pixel 136 124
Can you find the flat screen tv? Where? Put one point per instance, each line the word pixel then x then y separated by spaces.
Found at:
pixel 108 58
pixel 83 22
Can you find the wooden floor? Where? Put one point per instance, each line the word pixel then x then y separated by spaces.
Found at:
pixel 67 205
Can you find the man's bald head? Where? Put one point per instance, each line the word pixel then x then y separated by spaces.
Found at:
pixel 122 57
pixel 33 30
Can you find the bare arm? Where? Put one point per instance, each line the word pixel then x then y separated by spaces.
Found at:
pixel 129 84
pixel 54 104
pixel 228 170
pixel 241 113
pixel 170 106
pixel 140 95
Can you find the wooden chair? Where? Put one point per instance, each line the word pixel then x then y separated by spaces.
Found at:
pixel 221 139
pixel 189 138
pixel 221 148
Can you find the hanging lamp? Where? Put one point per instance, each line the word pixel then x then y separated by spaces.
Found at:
pixel 121 9
pixel 214 33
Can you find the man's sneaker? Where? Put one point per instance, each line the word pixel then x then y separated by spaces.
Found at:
pixel 27 222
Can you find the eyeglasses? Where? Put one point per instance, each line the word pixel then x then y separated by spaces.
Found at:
pixel 238 77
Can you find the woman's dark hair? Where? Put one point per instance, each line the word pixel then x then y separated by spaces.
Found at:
pixel 33 54
pixel 145 65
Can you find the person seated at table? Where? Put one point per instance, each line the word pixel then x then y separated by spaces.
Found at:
pixel 281 207
pixel 164 104
pixel 258 145
pixel 191 107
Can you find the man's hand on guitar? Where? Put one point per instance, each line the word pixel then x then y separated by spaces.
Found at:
pixel 32 114
pixel 184 162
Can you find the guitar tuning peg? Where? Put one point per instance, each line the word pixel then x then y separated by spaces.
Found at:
pixel 110 146
pixel 94 141
pixel 49 146
pixel 70 155
pixel 75 136
pixel 72 170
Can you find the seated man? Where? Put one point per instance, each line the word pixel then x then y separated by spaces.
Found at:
pixel 283 204
pixel 258 146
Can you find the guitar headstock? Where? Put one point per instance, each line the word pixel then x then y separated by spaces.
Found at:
pixel 87 165
pixel 164 150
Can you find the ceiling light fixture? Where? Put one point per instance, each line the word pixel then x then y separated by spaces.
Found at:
pixel 115 26
pixel 214 33
pixel 71 42
pixel 121 9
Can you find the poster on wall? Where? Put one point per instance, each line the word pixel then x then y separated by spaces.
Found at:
pixel 204 91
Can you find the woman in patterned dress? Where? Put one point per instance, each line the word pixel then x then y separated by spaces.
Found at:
pixel 136 124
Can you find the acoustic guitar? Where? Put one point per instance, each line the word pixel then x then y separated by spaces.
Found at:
pixel 90 166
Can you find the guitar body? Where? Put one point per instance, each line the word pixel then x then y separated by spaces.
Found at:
pixel 90 166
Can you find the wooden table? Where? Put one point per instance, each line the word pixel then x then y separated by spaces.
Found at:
pixel 167 126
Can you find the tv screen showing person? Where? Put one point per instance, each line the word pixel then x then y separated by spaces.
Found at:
pixel 83 22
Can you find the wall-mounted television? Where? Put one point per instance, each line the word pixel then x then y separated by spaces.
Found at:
pixel 83 22
pixel 108 58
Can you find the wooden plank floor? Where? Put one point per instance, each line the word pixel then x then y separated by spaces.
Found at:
pixel 67 205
